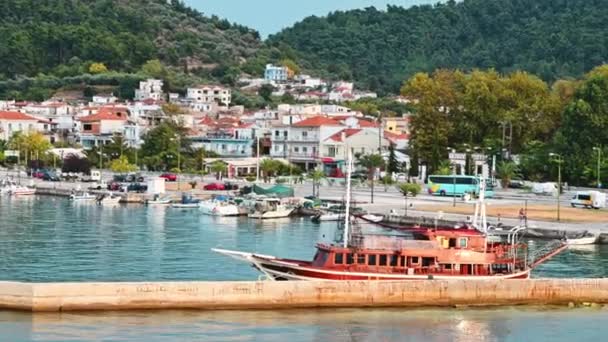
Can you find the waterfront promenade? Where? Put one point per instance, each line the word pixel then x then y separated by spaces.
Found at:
pixel 299 294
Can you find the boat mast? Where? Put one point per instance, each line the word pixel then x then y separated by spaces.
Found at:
pixel 349 167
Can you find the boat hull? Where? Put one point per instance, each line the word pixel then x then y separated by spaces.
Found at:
pixel 281 213
pixel 216 209
pixel 277 269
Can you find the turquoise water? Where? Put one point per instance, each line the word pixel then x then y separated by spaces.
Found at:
pixel 464 325
pixel 51 239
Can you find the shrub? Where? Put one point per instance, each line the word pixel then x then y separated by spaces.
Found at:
pixel 410 189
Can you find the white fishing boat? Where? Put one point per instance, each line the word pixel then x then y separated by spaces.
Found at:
pixel 158 200
pixel 584 239
pixel 373 218
pixel 216 207
pixel 187 202
pixel 83 196
pixel 270 208
pixel 109 199
pixel 328 217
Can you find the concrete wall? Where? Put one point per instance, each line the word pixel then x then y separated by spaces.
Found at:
pixel 282 295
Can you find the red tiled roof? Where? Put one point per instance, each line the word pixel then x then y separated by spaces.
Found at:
pixel 317 121
pixel 365 123
pixel 16 116
pixel 206 121
pixel 347 133
pixel 245 125
pixel 104 115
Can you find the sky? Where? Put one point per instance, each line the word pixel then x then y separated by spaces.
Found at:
pixel 270 16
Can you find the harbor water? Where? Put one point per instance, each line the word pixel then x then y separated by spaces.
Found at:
pixel 49 239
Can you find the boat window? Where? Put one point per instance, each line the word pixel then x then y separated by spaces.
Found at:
pixel 463 243
pixel 321 258
pixel 394 260
pixel 402 263
pixel 349 259
pixel 383 259
pixel 452 243
pixel 339 259
pixel 414 260
pixel 447 266
pixel 361 259
pixel 371 259
pixel 426 262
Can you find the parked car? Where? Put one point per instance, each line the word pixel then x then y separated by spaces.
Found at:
pixel 169 177
pixel 230 186
pixel 215 186
pixel 50 177
pixel 115 186
pixel 37 174
pixel 134 177
pixel 137 187
pixel 516 184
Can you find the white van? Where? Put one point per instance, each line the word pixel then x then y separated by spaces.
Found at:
pixel 589 199
pixel 95 176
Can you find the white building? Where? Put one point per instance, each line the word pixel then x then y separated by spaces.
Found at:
pixel 300 143
pixel 149 89
pixel 103 100
pixel 276 73
pixel 12 122
pixel 306 81
pixel 210 93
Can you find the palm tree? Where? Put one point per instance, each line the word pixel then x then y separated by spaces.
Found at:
pixel 506 170
pixel 218 167
pixel 269 167
pixel 316 176
pixel 371 162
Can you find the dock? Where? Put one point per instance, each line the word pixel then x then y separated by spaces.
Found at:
pixel 53 297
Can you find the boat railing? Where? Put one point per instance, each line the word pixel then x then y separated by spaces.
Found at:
pixel 550 249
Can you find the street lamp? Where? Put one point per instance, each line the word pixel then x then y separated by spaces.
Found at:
pixel 599 160
pixel 453 180
pixel 558 159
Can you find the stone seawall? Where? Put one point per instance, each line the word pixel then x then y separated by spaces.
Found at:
pixel 285 295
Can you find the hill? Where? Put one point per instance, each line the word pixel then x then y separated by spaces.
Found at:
pixel 63 38
pixel 379 49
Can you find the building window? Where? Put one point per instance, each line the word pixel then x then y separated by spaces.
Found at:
pixel 87 127
pixel 304 149
pixel 223 146
pixel 277 133
pixel 304 134
pixel 331 152
pixel 296 149
pixel 276 148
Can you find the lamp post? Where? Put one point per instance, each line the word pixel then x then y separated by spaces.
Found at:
pixel 558 159
pixel 453 181
pixel 599 161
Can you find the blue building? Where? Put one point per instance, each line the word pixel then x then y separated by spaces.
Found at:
pixel 276 73
pixel 225 147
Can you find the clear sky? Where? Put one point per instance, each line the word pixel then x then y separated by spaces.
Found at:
pixel 270 16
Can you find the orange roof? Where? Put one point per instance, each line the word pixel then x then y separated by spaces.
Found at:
pixel 104 115
pixel 317 121
pixel 206 121
pixel 347 133
pixel 365 123
pixel 16 116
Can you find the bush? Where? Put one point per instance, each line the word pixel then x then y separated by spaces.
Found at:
pixel 175 170
pixel 250 179
pixel 410 189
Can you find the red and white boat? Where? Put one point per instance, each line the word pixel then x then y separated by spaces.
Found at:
pixel 437 253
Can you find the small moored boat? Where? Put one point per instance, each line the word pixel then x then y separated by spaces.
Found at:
pixel 83 196
pixel 158 200
pixel 583 239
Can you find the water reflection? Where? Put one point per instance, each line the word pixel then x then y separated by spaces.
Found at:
pixel 433 325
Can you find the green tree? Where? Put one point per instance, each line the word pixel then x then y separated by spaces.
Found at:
pixel 316 176
pixel 506 171
pixel 269 168
pixel 392 165
pixel 371 162
pixel 266 92
pixel 122 165
pixel 153 68
pixel 98 68
pixel 219 168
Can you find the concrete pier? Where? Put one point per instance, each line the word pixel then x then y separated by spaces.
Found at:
pixel 286 295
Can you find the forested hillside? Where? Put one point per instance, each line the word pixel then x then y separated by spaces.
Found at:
pixel 550 38
pixel 64 37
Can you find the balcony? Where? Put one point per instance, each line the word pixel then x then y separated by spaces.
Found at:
pixel 311 139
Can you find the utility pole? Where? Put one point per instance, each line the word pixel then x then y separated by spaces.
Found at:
pixel 257 163
pixel 558 160
pixel 599 161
